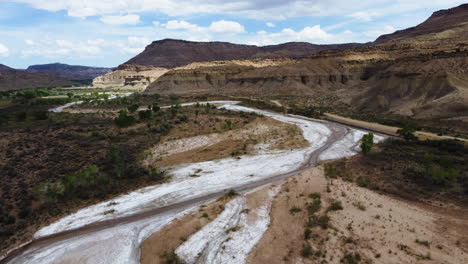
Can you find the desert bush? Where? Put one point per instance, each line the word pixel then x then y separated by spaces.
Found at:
pixel 124 120
pixel 314 195
pixel 145 114
pixel 21 116
pixel 133 108
pixel 3 118
pixel 407 133
pixel 307 233
pixel 157 174
pixel 295 209
pixel 183 118
pixel 314 207
pixel 41 115
pixel 228 124
pixel 156 108
pixel 306 251
pixel 171 258
pixel 367 142
pixel 350 258
pixel 444 177
pixel 335 206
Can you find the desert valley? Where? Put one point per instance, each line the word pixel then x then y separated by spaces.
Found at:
pixel 215 152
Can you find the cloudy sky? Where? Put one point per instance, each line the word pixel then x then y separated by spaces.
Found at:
pixel 109 32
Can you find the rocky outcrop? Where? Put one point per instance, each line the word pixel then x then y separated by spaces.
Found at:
pixel 129 76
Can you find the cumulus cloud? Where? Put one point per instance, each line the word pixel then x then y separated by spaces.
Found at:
pixel 361 15
pixel 270 25
pixel 313 34
pixel 121 20
pixel 220 27
pixel 60 47
pixel 373 34
pixel 258 9
pixel 4 51
pixel 229 27
pixel 176 25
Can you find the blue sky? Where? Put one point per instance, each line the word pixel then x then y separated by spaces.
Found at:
pixel 109 32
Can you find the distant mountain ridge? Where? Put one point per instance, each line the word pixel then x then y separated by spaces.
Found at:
pixel 12 79
pixel 69 72
pixel 170 53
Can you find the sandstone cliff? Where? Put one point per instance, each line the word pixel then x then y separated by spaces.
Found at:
pixel 129 76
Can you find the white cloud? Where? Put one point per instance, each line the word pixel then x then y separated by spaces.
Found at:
pixel 361 15
pixel 130 19
pixel 176 25
pixel 373 34
pixel 270 25
pixel 228 27
pixel 59 48
pixel 4 51
pixel 257 9
pixel 29 42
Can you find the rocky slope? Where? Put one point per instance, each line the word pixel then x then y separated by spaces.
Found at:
pixel 419 72
pixel 12 79
pixel 69 72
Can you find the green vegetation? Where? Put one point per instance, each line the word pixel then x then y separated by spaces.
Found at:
pixel 124 120
pixel 335 206
pixel 407 133
pixel 350 258
pixel 367 142
pixel 133 108
pixel 429 168
pixel 41 115
pixel 171 258
pixel 306 251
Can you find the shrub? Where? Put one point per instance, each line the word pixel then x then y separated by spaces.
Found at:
pixel 145 114
pixel 124 120
pixel 183 118
pixel 407 133
pixel 350 258
pixel 156 108
pixel 3 118
pixel 314 206
pixel 171 258
pixel 157 174
pixel 444 177
pixel 306 251
pixel 335 206
pixel 295 209
pixel 321 221
pixel 231 192
pixel 21 116
pixel 367 142
pixel 133 108
pixel 315 195
pixel 228 124
pixel 41 115
pixel 307 233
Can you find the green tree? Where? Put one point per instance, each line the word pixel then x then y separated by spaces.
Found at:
pixel 124 120
pixel 407 133
pixel 145 114
pixel 133 108
pixel 367 142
